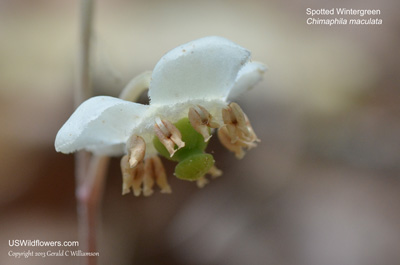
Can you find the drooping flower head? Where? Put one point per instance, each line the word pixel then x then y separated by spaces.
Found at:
pixel 190 90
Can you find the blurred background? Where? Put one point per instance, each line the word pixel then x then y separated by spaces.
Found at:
pixel 323 186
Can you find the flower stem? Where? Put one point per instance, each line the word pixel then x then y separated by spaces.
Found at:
pixel 84 87
pixel 89 194
pixel 89 171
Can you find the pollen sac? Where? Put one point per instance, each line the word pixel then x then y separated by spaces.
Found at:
pixel 131 177
pixel 143 176
pixel 226 140
pixel 215 172
pixel 148 178
pixel 155 173
pixel 168 135
pixel 201 182
pixel 236 133
pixel 160 175
pixel 202 121
pixel 136 150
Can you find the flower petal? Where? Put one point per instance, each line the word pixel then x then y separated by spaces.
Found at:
pixel 101 125
pixel 201 69
pixel 248 77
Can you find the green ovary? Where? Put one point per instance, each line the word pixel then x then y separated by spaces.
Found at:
pixel 194 167
pixel 193 162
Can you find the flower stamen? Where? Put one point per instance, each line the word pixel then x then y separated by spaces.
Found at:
pixel 131 177
pixel 155 173
pixel 253 136
pixel 148 178
pixel 235 121
pixel 236 133
pixel 226 140
pixel 215 172
pixel 144 176
pixel 201 182
pixel 136 150
pixel 138 179
pixel 160 175
pixel 127 175
pixel 201 120
pixel 168 135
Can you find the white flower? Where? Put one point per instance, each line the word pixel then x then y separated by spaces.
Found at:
pixel 197 79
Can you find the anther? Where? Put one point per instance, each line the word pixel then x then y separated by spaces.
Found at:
pixel 201 182
pixel 235 121
pixel 148 177
pixel 215 172
pixel 230 123
pixel 162 127
pixel 253 136
pixel 160 175
pixel 131 177
pixel 202 112
pixel 168 135
pixel 236 133
pixel 201 120
pixel 127 175
pixel 226 141
pixel 144 176
pixel 138 179
pixel 136 150
pixel 240 118
pixel 155 173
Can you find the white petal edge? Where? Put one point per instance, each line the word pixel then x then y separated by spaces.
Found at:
pixel 247 78
pixel 100 124
pixel 201 69
pixel 136 87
